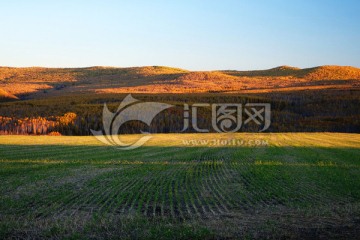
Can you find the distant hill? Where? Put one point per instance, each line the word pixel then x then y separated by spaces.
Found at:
pixel 206 76
pixel 281 71
pixel 37 82
pixel 316 73
pixel 332 73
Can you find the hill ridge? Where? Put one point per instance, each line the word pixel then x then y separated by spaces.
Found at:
pixel 17 82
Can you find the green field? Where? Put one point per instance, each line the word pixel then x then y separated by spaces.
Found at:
pixel 293 185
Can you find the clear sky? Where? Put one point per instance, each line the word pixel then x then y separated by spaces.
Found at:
pixel 190 34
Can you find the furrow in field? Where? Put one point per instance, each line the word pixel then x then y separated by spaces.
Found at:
pixel 196 192
pixel 203 196
pixel 189 211
pixel 122 182
pixel 132 206
pixel 61 203
pixel 235 188
pixel 248 184
pixel 190 193
pixel 223 180
pixel 149 208
pixel 87 199
pixel 145 203
pixel 214 182
pixel 121 199
pixel 213 196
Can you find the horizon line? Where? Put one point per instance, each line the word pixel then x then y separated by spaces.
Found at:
pixel 118 67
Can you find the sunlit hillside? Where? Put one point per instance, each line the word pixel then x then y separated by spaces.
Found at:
pixel 42 82
pixel 315 73
pixel 6 95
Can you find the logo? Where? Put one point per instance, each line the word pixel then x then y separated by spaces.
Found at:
pixel 225 118
pixel 228 117
pixel 130 109
pixel 259 113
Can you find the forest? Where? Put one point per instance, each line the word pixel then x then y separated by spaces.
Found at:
pixel 302 111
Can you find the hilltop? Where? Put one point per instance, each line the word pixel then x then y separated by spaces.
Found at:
pixel 37 82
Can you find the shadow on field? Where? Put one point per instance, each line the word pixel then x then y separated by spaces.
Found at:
pixel 222 192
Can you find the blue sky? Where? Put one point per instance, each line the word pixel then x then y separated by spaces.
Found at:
pixel 190 34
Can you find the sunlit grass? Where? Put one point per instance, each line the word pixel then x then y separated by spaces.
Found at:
pixel 50 182
pixel 210 139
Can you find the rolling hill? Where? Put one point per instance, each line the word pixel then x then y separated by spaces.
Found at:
pixel 37 82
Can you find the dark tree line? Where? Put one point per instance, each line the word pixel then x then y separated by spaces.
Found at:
pixel 336 111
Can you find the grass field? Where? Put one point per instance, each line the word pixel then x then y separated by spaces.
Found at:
pixel 292 185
